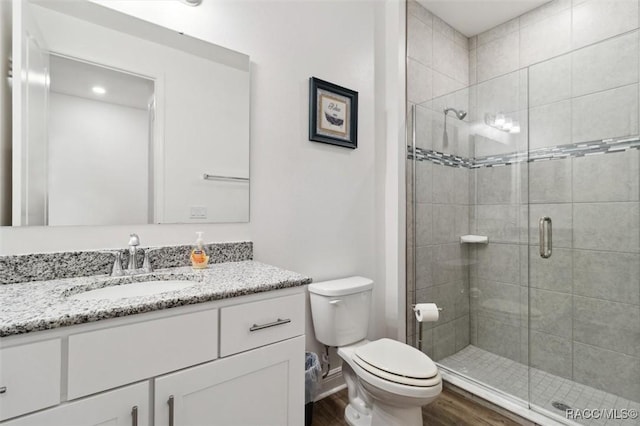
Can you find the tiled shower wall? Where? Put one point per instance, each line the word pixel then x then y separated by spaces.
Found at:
pixel 438 64
pixel 585 300
pixel 570 70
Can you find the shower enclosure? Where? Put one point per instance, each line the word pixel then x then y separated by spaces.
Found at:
pixel 545 316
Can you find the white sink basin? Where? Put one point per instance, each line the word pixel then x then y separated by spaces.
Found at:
pixel 123 291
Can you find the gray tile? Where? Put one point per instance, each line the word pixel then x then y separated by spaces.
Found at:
pixel 461 186
pixel 545 39
pixel 599 115
pixel 498 185
pixel 427 342
pixel 443 84
pixel 461 217
pixel 444 340
pixel 497 221
pixel 419 40
pixel 473 327
pixel 419 84
pixel 561 224
pixel 498 262
pixel 444 224
pixel 606 226
pixel 498 57
pixel 461 39
pixel 417 10
pixel 443 184
pixel 606 65
pixel 473 66
pixel 451 264
pixel 607 177
pixel 462 332
pixel 610 325
pixel 597 20
pixel 450 59
pixel 550 81
pixel 444 296
pixel 424 230
pixel 550 125
pixel 443 28
pixel 498 31
pixel 424 261
pixel 425 118
pixel 607 370
pixel 461 300
pixel 554 273
pixel 424 179
pixel 551 354
pixel 607 275
pixel 550 181
pixel 502 94
pixel 499 301
pixel 501 339
pixel 550 312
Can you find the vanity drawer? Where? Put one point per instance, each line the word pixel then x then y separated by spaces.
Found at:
pixel 251 325
pixel 29 378
pixel 105 359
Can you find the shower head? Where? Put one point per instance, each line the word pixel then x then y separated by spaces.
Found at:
pixel 459 114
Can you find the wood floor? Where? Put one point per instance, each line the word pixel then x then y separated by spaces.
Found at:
pixel 449 409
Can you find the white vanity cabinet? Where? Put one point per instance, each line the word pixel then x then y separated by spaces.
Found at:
pixel 128 406
pixel 236 361
pixel 255 388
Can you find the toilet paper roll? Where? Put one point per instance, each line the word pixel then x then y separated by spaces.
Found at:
pixel 426 312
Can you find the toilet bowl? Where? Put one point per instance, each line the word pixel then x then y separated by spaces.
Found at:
pixel 388 382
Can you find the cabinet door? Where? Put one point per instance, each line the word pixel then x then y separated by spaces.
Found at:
pixel 262 387
pixel 115 408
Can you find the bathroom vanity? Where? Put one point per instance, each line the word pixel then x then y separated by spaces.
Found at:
pixel 228 351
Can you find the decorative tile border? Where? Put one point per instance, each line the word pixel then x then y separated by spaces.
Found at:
pixel 49 266
pixel 606 146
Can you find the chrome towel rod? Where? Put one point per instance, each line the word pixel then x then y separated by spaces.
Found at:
pixel 229 178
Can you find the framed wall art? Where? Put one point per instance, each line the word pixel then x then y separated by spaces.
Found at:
pixel 333 114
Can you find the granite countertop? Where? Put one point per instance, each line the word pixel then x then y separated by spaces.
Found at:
pixel 44 305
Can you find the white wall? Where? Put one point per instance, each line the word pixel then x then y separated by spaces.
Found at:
pixel 5 114
pixel 315 208
pixel 95 144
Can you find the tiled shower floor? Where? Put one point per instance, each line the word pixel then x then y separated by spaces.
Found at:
pixel 512 377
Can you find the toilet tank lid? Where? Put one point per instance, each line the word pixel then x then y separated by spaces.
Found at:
pixel 341 287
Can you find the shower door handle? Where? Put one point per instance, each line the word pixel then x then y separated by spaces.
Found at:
pixel 545 237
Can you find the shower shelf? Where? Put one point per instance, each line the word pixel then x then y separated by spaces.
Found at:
pixel 474 239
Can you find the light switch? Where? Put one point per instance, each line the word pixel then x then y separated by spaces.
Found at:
pixel 198 212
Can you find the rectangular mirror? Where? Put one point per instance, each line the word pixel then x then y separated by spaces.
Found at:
pixel 118 121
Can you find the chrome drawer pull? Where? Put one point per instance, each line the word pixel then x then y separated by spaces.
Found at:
pixel 277 322
pixel 171 414
pixel 3 389
pixel 134 416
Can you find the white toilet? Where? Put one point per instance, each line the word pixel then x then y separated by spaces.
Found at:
pixel 388 381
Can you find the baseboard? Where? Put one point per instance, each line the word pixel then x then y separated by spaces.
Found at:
pixel 331 384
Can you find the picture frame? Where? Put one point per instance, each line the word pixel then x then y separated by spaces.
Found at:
pixel 333 114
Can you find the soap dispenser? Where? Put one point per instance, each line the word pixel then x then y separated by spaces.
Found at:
pixel 199 257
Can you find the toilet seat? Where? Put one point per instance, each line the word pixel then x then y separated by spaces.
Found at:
pixel 429 388
pixel 397 362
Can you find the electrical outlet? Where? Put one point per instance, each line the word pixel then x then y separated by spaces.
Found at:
pixel 198 212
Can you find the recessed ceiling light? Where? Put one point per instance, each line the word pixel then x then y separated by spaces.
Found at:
pixel 99 90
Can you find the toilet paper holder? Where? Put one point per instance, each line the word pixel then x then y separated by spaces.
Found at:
pixel 419 322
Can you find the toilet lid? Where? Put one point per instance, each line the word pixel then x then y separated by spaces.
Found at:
pixel 397 359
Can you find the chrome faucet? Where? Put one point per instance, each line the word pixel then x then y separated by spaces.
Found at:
pixel 134 242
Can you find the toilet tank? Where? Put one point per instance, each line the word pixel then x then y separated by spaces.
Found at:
pixel 340 310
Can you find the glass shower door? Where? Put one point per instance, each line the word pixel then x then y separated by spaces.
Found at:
pixel 584 232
